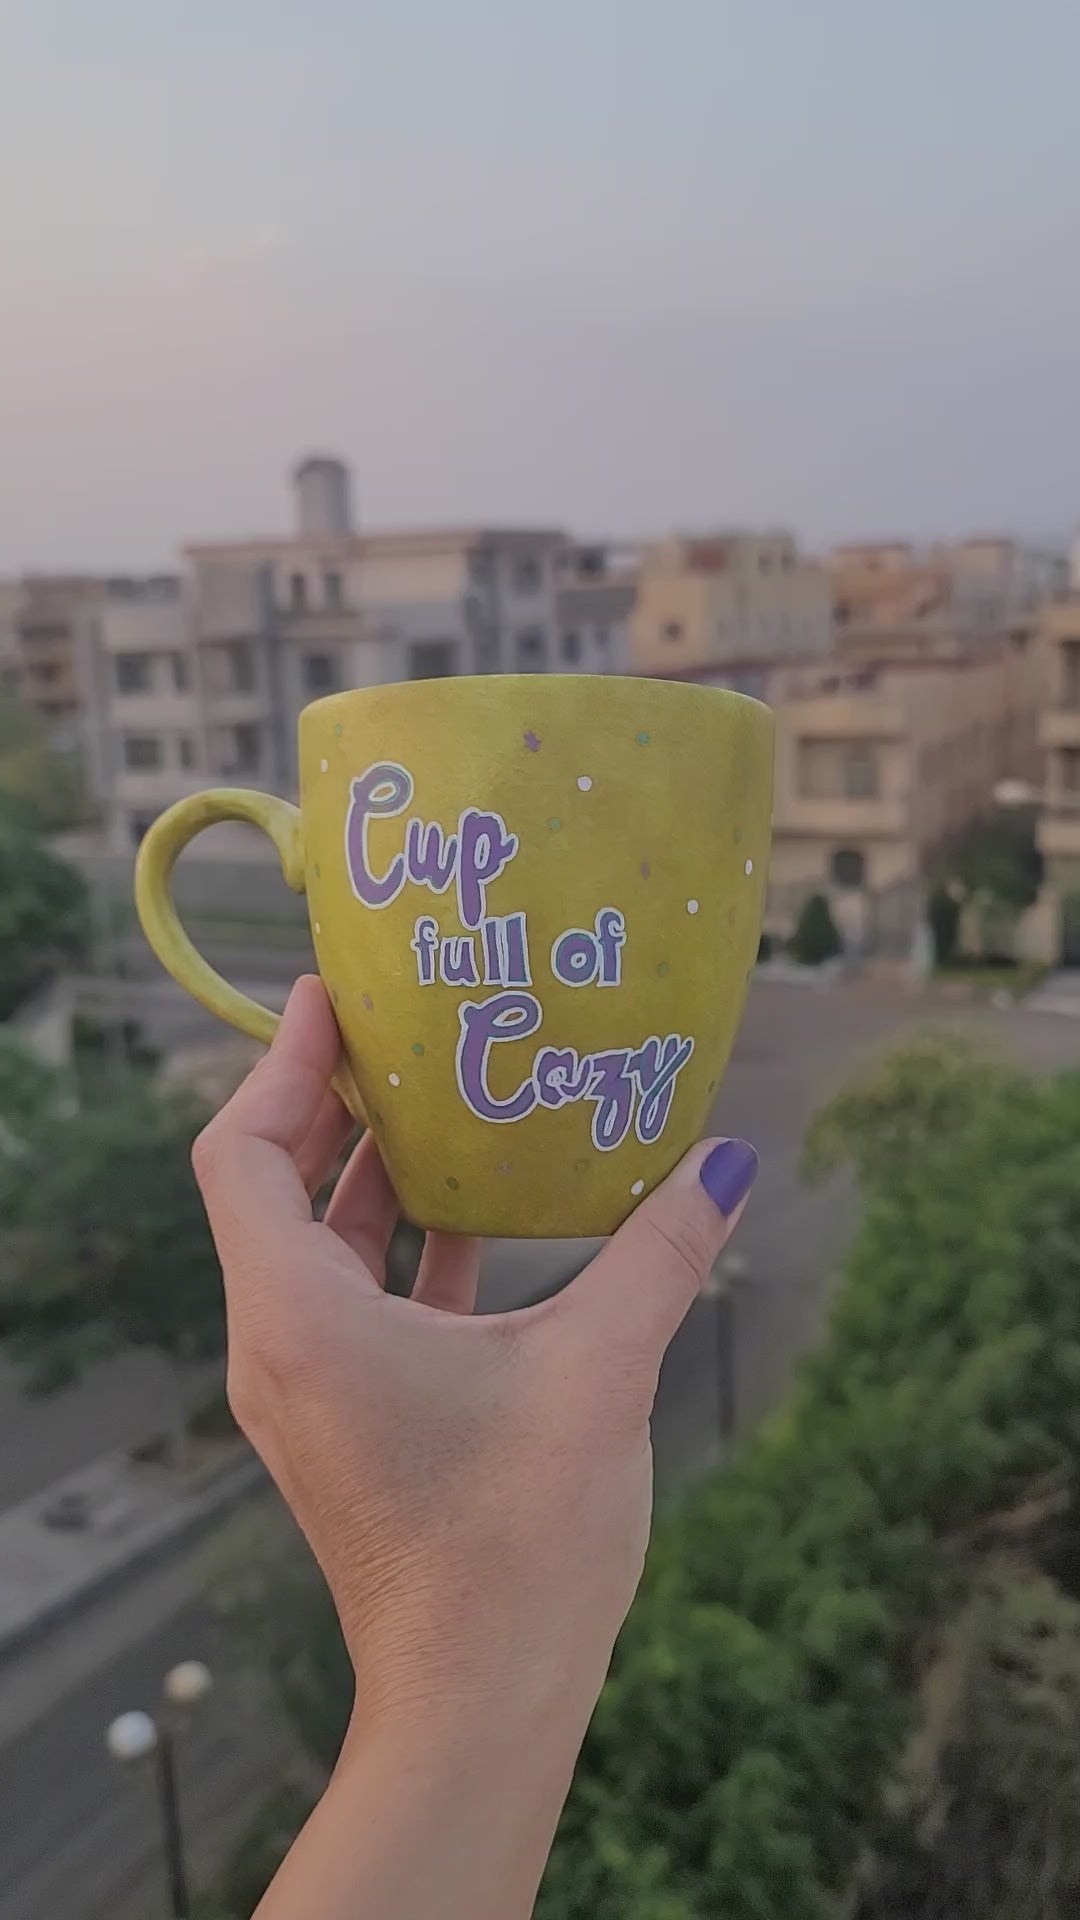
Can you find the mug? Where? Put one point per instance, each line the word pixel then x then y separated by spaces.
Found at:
pixel 535 902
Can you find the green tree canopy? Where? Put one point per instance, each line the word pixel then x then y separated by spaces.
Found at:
pixel 103 1238
pixel 44 908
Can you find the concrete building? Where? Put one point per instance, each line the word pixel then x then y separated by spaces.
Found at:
pixel 199 680
pixel 889 600
pixel 731 596
pixel 1054 931
pixel 40 615
pixel 875 767
pixel 596 591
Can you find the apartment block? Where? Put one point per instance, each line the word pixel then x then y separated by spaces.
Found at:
pixel 730 596
pixel 890 600
pixel 40 615
pixel 876 765
pixel 202 681
pixel 596 591
pixel 1056 920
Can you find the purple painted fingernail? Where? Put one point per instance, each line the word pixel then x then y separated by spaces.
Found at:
pixel 728 1173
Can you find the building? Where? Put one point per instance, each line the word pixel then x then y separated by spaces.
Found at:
pixel 731 596
pixel 877 765
pixel 40 615
pixel 890 601
pixel 1055 928
pixel 596 591
pixel 198 680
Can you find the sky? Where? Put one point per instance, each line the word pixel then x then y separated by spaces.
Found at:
pixel 617 265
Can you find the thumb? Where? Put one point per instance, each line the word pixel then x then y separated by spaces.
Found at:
pixel 645 1280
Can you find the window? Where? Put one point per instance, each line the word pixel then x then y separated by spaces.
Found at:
pixel 187 750
pixel 1070 769
pixel 570 648
pixel 297 592
pixel 531 649
pixel 181 672
pixel 602 636
pixel 134 672
pixel 487 651
pixel 480 567
pixel 142 752
pixel 141 824
pixel 432 659
pixel 860 774
pixel 240 666
pixel 333 590
pixel 848 867
pixel 672 630
pixel 1071 664
pixel 764 562
pixel 526 574
pixel 320 673
pixel 245 748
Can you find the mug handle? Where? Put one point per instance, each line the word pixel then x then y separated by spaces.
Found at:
pixel 158 853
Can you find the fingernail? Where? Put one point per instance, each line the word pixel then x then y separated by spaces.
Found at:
pixel 728 1173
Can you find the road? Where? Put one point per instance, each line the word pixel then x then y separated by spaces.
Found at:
pixel 80 1841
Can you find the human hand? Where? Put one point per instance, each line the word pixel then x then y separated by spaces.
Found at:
pixel 477 1489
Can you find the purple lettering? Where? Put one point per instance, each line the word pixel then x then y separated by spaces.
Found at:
pixel 504 1016
pixel 613 1093
pixel 428 857
pixel 493 965
pixel 424 942
pixel 611 939
pixel 655 1066
pixel 516 936
pixel 458 962
pixel 379 794
pixel 485 849
pixel 574 958
pixel 560 1076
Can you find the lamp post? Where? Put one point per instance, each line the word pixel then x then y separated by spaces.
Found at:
pixel 133 1739
pixel 720 1286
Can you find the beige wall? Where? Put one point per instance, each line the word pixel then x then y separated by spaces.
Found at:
pixel 887 769
pixel 741 596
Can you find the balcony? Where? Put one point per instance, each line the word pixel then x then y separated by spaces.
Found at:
pixel 1060 726
pixel 838 818
pixel 1058 829
pixel 849 716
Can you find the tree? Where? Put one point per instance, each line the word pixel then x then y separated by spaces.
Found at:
pixel 943 914
pixel 104 1241
pixel 45 779
pixel 996 857
pixel 815 938
pixel 44 909
pixel 993 1832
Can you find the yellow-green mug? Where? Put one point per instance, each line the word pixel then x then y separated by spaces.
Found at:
pixel 536 903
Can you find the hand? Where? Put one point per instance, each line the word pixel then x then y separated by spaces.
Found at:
pixel 477 1490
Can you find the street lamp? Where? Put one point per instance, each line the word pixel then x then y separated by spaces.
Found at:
pixel 720 1286
pixel 133 1738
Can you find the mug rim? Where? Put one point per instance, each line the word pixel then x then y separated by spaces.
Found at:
pixel 647 682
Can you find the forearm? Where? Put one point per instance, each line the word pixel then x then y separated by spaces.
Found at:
pixel 451 1823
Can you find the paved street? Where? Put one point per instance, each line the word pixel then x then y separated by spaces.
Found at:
pixel 80 1842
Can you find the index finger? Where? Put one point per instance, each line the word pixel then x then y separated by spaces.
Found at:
pixel 245 1160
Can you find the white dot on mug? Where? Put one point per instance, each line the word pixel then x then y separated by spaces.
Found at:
pixel 692 906
pixel 325 765
pixel 749 868
pixel 318 926
pixel 584 783
pixel 638 1187
pixel 394 1079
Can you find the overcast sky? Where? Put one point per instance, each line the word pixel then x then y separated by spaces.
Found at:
pixel 615 264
